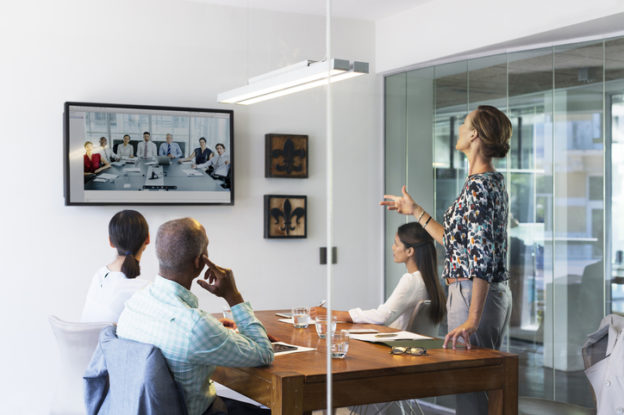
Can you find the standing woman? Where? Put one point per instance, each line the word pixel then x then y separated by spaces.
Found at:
pixel 474 236
pixel 114 283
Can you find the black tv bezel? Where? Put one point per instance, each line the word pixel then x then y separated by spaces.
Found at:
pixel 66 178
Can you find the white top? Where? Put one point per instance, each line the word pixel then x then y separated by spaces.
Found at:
pixel 125 151
pixel 108 155
pixel 221 164
pixel 146 152
pixel 107 295
pixel 397 310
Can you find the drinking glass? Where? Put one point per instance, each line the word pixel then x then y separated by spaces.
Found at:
pixel 340 344
pixel 321 325
pixel 227 313
pixel 301 317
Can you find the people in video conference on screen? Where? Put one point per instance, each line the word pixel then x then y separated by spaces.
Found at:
pixel 170 149
pixel 107 154
pixel 146 149
pixel 93 163
pixel 125 150
pixel 220 164
pixel 201 154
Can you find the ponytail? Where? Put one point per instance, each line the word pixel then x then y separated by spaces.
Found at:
pixel 128 231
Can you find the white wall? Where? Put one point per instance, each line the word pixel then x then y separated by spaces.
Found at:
pixel 441 28
pixel 164 52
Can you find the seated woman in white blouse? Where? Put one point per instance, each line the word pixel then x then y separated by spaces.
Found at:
pixel 413 247
pixel 114 283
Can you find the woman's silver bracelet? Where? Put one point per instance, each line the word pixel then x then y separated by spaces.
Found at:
pixel 421 215
pixel 427 223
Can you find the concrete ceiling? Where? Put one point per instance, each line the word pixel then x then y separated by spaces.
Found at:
pixel 354 9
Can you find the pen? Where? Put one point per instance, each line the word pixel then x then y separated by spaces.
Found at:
pixel 385 335
pixel 322 303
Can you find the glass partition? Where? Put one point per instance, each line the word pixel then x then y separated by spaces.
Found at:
pixel 564 178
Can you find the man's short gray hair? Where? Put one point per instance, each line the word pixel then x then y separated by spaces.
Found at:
pixel 178 243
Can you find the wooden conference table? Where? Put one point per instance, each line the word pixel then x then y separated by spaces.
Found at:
pixel 295 383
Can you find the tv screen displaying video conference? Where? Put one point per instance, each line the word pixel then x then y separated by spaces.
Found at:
pixel 130 154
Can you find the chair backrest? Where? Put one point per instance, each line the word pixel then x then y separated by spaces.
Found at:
pixel 420 322
pixel 128 377
pixel 76 343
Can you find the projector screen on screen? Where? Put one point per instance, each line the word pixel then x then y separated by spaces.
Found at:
pixel 148 155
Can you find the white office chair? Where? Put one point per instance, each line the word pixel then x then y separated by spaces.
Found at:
pixel 76 343
pixel 420 322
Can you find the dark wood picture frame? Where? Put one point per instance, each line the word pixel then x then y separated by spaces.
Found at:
pixel 285 216
pixel 286 156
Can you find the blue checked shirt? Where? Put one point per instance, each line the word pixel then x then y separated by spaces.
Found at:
pixel 193 342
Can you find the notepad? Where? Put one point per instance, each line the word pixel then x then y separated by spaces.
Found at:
pixel 384 337
pixel 281 348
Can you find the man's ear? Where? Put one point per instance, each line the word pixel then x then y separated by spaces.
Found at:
pixel 147 240
pixel 111 243
pixel 199 264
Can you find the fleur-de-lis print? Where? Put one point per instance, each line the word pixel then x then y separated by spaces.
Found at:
pixel 289 155
pixel 288 214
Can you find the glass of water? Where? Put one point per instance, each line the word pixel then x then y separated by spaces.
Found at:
pixel 340 344
pixel 227 313
pixel 321 325
pixel 301 317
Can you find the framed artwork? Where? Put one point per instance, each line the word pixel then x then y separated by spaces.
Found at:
pixel 286 155
pixel 285 216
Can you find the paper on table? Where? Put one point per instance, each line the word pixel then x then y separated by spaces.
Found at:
pixel 361 331
pixel 226 392
pixel 132 170
pixel 299 349
pixel 107 176
pixel 99 180
pixel 190 172
pixel 290 321
pixel 118 163
pixel 384 337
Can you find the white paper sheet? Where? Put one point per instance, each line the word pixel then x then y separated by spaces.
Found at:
pixel 383 337
pixel 107 176
pixel 132 170
pixel 191 172
pixel 299 349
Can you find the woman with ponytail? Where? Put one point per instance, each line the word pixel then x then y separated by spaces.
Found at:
pixel 114 283
pixel 413 247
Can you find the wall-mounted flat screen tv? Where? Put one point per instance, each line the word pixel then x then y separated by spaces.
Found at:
pixel 148 155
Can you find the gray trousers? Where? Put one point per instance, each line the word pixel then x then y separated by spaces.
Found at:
pixel 494 321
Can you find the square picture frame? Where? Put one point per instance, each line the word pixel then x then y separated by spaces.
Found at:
pixel 285 216
pixel 286 156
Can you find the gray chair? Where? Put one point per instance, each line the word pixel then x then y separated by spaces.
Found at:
pixel 420 322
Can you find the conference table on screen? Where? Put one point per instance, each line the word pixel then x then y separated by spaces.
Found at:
pixel 136 174
pixel 296 383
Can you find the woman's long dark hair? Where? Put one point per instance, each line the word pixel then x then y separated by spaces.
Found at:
pixel 128 231
pixel 412 235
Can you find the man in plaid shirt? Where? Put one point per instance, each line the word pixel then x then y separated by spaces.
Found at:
pixel 193 342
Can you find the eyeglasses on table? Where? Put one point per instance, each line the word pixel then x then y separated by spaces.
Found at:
pixel 414 351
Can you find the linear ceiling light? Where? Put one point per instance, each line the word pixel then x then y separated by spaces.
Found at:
pixel 294 78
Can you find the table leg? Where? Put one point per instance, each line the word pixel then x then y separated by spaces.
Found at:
pixel 287 394
pixel 505 400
